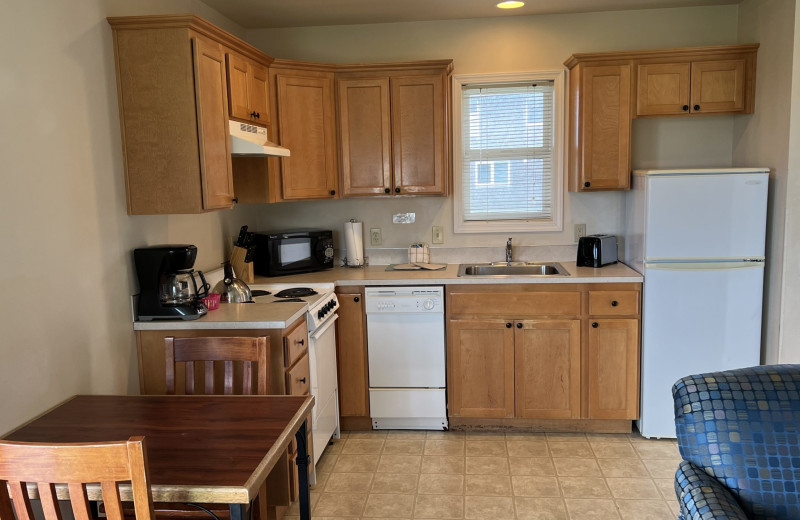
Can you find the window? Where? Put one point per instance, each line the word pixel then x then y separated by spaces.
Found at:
pixel 508 152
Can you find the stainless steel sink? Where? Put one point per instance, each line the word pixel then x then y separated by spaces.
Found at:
pixel 507 269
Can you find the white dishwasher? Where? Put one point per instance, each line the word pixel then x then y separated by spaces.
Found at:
pixel 406 349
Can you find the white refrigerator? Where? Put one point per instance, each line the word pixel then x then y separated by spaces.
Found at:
pixel 698 238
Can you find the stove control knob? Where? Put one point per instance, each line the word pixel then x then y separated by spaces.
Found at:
pixel 320 314
pixel 428 304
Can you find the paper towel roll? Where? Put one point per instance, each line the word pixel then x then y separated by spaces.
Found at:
pixel 354 242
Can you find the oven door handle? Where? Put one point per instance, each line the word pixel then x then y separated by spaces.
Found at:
pixel 320 331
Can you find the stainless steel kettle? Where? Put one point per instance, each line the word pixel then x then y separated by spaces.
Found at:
pixel 232 290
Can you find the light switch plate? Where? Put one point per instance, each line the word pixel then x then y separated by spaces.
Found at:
pixel 438 235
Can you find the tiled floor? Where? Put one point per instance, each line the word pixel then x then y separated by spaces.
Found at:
pixel 495 476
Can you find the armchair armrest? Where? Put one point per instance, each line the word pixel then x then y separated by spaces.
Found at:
pixel 702 497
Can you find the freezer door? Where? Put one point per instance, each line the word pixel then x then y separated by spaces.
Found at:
pixel 696 318
pixel 705 216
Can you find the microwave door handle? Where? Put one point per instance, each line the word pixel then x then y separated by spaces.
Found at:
pixel 322 330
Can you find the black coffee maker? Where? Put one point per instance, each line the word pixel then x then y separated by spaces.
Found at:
pixel 168 289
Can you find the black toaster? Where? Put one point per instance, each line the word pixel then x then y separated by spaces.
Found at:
pixel 597 250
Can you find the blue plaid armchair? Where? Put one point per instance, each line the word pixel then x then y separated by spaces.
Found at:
pixel 739 435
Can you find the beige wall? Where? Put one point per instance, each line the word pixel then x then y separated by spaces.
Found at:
pixel 762 139
pixel 790 308
pixel 66 265
pixel 506 45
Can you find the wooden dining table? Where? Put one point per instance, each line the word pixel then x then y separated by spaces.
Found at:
pixel 200 449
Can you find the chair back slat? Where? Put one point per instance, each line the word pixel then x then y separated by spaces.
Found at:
pixel 74 464
pixel 229 351
pixel 47 497
pixel 80 504
pixel 247 378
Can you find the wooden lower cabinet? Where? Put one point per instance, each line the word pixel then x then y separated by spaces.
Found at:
pixel 351 356
pixel 613 369
pixel 548 369
pixel 481 368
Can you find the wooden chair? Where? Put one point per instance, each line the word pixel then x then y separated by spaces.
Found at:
pixel 73 464
pixel 227 350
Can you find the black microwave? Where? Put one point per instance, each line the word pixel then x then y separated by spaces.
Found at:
pixel 292 252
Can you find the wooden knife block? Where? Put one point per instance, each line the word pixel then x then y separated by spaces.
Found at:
pixel 241 269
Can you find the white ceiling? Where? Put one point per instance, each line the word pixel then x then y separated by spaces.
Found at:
pixel 304 13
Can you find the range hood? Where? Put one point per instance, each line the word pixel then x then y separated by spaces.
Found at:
pixel 251 140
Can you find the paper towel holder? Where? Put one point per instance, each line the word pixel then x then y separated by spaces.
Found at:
pixel 353 236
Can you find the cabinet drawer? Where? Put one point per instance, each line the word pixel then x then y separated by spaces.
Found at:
pixel 297 380
pixel 514 304
pixel 295 343
pixel 613 303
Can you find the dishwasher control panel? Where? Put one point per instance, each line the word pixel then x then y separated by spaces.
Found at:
pixel 404 299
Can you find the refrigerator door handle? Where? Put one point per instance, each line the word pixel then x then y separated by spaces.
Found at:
pixel 706 266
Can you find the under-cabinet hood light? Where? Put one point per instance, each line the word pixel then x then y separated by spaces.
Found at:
pixel 510 4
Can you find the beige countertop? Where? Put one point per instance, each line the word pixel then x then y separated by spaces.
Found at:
pixel 378 275
pixel 270 316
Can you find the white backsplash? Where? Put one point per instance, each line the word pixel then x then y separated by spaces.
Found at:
pixel 459 255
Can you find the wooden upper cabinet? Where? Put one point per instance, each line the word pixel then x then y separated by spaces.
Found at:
pixel 248 90
pixel 365 136
pixel 480 368
pixel 307 127
pixel 418 138
pixel 702 87
pixel 600 129
pixel 548 369
pixel 613 369
pixel 212 116
pixel 172 83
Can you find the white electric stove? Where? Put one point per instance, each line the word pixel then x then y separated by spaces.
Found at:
pixel 320 319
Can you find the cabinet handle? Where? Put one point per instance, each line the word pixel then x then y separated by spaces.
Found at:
pixel 301 341
pixel 685 108
pixel 301 380
pixel 696 107
pixel 595 325
pixel 397 190
pixel 387 190
pixel 614 303
pixel 333 192
pixel 508 325
pixel 519 325
pixel 356 299
pixel 587 184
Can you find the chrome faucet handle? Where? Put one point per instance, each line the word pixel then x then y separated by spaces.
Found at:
pixel 508 251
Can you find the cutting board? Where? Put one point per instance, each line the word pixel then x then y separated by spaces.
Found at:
pixel 417 266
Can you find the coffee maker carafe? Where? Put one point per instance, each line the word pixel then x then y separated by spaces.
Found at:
pixel 168 288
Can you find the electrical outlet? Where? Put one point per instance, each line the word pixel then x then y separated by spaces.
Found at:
pixel 438 235
pixel 375 236
pixel 580 231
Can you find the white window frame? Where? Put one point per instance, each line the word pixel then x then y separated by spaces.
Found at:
pixel 558 77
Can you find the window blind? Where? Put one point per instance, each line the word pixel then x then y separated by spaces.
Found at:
pixel 507 163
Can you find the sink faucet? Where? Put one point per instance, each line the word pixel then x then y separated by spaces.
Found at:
pixel 508 251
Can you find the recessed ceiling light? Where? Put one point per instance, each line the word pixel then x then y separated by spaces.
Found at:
pixel 510 4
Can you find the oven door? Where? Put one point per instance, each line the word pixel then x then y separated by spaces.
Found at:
pixel 324 385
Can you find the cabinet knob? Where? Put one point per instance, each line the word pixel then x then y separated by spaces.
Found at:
pixel 333 192
pixel 387 190
pixel 397 190
pixel 696 107
pixel 595 325
pixel 587 184
pixel 253 114
pixel 685 108
pixel 356 299
pixel 519 325
pixel 301 380
pixel 301 341
pixel 614 303
pixel 235 200
pixel 508 325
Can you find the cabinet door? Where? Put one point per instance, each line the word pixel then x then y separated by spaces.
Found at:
pixel 548 369
pixel 662 89
pixel 365 136
pixel 718 86
pixel 613 369
pixel 211 93
pixel 351 356
pixel 258 92
pixel 481 368
pixel 602 157
pixel 418 134
pixel 238 87
pixel 307 128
